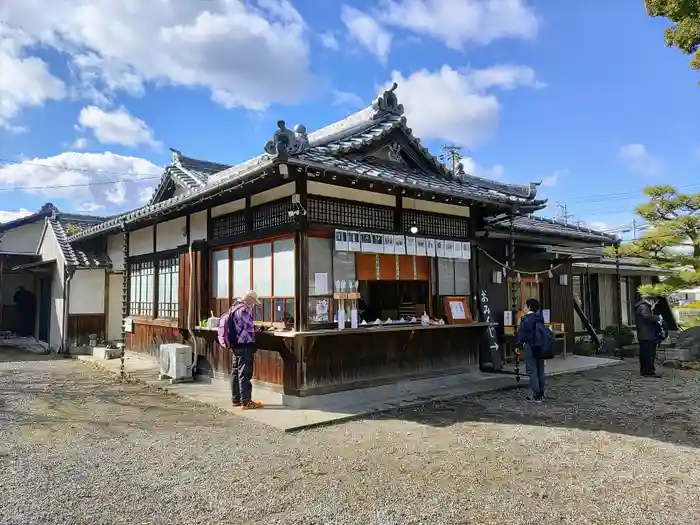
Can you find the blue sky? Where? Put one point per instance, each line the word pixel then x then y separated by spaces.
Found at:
pixel 588 100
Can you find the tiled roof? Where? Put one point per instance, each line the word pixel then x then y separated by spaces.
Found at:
pixel 533 224
pixel 74 255
pixel 344 146
pixel 403 175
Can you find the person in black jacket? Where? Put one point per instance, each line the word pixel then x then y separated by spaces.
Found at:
pixel 647 335
pixel 534 365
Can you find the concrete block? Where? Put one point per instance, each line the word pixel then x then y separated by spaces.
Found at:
pixel 675 354
pixel 101 352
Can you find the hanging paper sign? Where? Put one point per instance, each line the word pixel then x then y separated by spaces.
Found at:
pixel 420 246
pixel 341 241
pixel 399 245
pixel 410 245
pixel 457 254
pixel 466 250
pixel 388 244
pixel 354 242
pixel 449 249
pixel 430 247
pixel 378 242
pixel 439 248
pixel 366 242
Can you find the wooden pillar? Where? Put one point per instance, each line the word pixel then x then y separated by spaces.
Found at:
pixel 125 295
pixel 301 258
pixel 398 214
pixel 473 267
pixel 248 214
pixel 618 288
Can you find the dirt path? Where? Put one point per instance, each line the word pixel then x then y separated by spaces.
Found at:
pixel 76 447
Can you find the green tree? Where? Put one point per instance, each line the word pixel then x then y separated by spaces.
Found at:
pixel 684 32
pixel 672 240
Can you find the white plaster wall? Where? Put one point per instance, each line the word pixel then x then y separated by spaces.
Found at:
pixel 350 194
pixel 141 241
pixel 229 207
pixel 114 306
pixel 198 226
pixel 115 244
pixel 179 191
pixel 273 194
pixel 24 239
pixel 170 234
pixel 56 328
pixel 435 207
pixel 87 292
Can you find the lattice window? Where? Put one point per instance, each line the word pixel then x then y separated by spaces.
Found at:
pixel 351 215
pixel 228 225
pixel 435 225
pixel 168 275
pixel 272 214
pixel 142 281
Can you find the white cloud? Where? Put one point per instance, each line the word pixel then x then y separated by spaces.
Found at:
pixel 89 207
pixel 458 106
pixel 553 179
pixel 597 225
pixel 145 195
pixel 7 216
pixel 472 168
pixel 247 54
pixel 107 180
pixel 24 81
pixel 367 31
pixel 346 98
pixel 638 159
pixel 458 22
pixel 116 127
pixel 329 41
pixel 80 143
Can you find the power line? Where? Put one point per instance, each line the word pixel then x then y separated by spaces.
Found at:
pixel 86 184
pixel 84 170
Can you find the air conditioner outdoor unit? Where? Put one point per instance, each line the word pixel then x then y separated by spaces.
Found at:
pixel 175 362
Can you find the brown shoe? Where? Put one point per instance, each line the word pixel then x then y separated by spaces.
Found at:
pixel 236 403
pixel 250 405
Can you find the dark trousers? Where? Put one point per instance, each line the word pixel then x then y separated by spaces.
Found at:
pixel 647 357
pixel 535 370
pixel 241 374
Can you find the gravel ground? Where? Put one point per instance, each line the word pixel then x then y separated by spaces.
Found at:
pixel 77 447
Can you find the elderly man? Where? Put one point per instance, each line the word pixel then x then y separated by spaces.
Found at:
pixel 648 328
pixel 242 332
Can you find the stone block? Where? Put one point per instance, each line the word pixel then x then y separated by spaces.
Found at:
pixel 101 352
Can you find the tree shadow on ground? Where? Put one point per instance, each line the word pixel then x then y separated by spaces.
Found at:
pixel 611 399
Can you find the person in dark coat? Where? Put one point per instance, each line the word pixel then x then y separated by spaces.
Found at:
pixel 26 306
pixel 534 365
pixel 647 334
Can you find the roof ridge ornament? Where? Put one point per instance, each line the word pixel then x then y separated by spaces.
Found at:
pixel 287 142
pixel 175 159
pixel 388 102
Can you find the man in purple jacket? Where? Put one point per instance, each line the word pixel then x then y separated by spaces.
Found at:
pixel 243 333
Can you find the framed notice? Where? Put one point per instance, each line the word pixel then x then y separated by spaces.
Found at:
pixel 439 248
pixel 389 244
pixel 410 245
pixel 354 242
pixel 457 253
pixel 341 241
pixel 420 246
pixel 449 249
pixel 399 245
pixel 378 242
pixel 457 310
pixel 366 242
pixel 466 250
pixel 430 247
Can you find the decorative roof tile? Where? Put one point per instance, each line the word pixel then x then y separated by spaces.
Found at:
pixel 74 255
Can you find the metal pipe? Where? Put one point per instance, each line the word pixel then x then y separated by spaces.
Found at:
pixel 70 271
pixel 190 329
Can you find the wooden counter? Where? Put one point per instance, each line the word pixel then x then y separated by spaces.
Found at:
pixel 324 361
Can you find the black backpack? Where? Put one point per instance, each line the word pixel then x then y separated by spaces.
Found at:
pixel 544 344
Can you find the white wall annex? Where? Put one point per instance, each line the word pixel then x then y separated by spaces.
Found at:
pixel 114 306
pixel 171 234
pixel 115 246
pixel 23 239
pixel 50 251
pixel 87 292
pixel 141 241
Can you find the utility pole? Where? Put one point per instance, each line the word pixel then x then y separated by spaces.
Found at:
pixel 564 212
pixel 451 155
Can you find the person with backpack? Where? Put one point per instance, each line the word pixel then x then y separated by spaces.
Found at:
pixel 538 342
pixel 237 333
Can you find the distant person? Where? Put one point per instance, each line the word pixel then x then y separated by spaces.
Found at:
pixel 648 328
pixel 26 307
pixel 239 336
pixel 534 365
